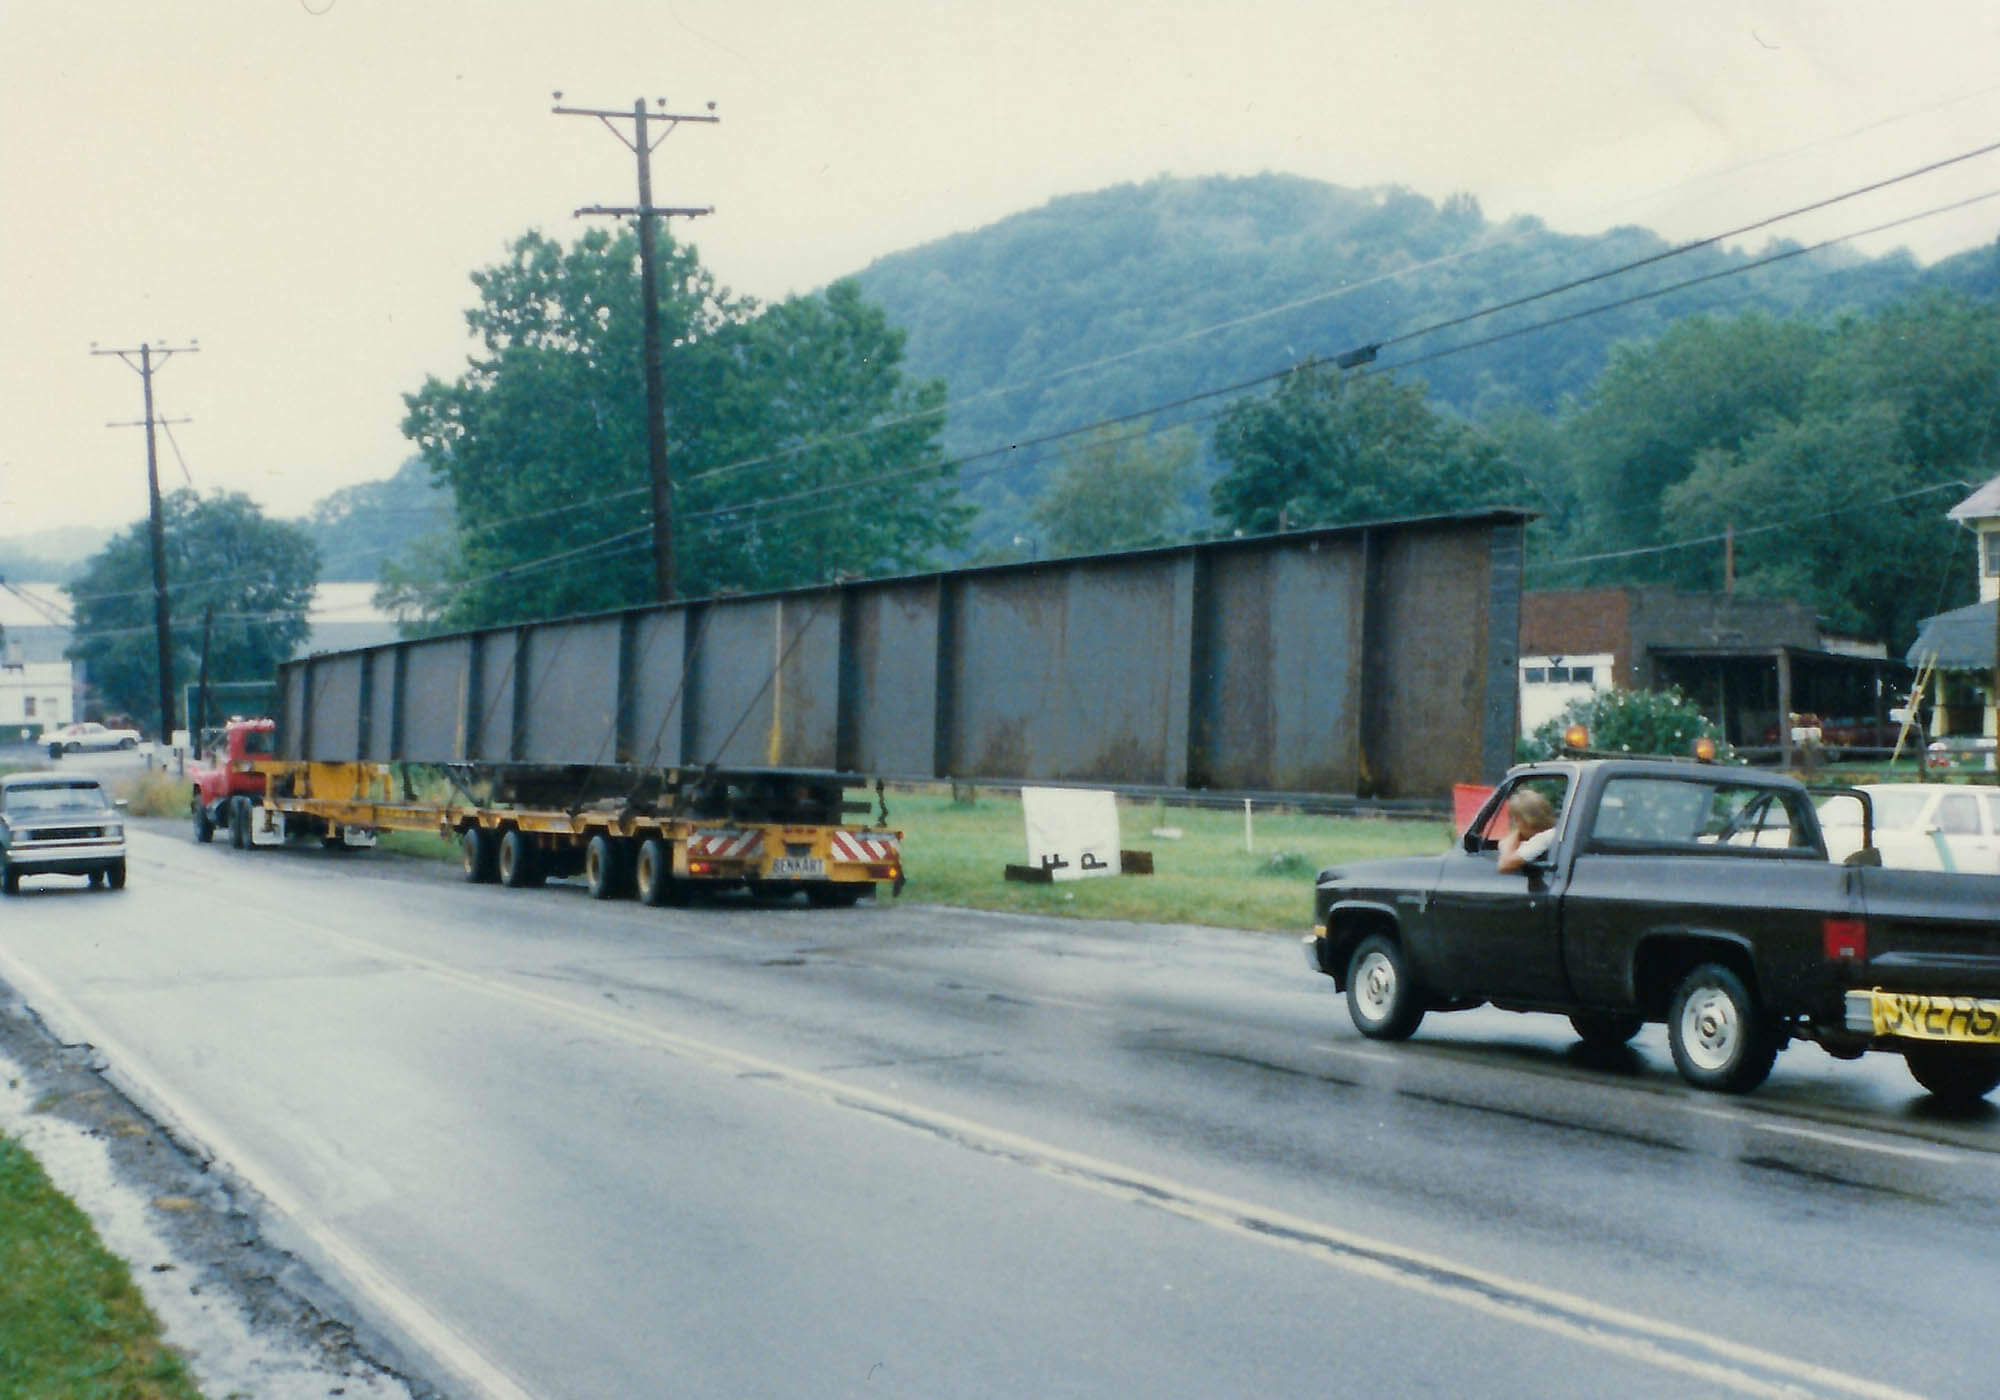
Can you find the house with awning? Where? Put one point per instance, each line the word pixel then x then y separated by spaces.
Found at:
pixel 1958 651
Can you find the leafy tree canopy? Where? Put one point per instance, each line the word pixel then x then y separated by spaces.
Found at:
pixel 224 561
pixel 1331 448
pixel 359 528
pixel 1122 488
pixel 1827 457
pixel 798 449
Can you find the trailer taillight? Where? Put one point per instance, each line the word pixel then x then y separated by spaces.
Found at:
pixel 1845 940
pixel 882 872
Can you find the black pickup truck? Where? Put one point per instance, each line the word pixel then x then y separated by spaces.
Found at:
pixel 1687 893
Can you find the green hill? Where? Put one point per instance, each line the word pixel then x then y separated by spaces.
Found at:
pixel 1099 305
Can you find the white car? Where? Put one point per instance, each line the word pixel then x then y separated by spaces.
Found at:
pixel 1920 826
pixel 73 738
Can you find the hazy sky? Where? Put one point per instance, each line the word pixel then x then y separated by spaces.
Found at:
pixel 303 186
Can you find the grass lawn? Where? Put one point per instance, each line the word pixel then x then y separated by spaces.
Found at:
pixel 955 854
pixel 72 1325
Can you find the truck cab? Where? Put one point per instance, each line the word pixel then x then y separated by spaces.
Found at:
pixel 227 771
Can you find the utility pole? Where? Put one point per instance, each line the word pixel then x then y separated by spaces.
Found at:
pixel 144 365
pixel 641 142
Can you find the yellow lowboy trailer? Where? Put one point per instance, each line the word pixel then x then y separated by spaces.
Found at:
pixel 621 847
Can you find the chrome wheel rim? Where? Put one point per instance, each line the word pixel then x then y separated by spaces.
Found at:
pixel 1375 986
pixel 1711 1028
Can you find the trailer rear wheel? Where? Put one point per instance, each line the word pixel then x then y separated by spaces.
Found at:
pixel 480 855
pixel 604 866
pixel 655 874
pixel 519 869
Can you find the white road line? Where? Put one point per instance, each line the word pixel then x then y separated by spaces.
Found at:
pixel 1702 1356
pixel 1941 1156
pixel 1710 1359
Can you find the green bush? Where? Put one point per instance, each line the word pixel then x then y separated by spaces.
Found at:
pixel 1663 722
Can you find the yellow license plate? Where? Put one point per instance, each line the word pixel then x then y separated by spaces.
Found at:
pixel 1920 1016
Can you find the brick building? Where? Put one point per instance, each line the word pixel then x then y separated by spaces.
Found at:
pixel 1745 661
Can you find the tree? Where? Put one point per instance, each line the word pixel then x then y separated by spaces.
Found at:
pixel 359 528
pixel 798 450
pixel 224 560
pixel 1660 722
pixel 1331 448
pixel 1841 503
pixel 1123 488
pixel 1706 384
pixel 814 457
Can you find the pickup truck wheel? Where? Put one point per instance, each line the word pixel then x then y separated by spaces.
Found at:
pixel 1606 1029
pixel 1958 1078
pixel 128 743
pixel 10 880
pixel 114 875
pixel 204 829
pixel 1382 994
pixel 604 866
pixel 519 868
pixel 1718 1033
pixel 479 852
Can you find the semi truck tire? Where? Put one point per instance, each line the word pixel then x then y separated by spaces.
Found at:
pixel 604 866
pixel 204 828
pixel 480 854
pixel 239 823
pixel 655 873
pixel 519 868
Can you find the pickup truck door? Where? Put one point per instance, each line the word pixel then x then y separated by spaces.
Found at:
pixel 1492 936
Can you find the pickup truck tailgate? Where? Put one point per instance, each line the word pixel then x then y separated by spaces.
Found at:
pixel 1930 932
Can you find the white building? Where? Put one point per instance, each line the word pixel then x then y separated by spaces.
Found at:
pixel 34 696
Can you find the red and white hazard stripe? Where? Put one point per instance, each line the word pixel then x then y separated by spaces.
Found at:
pixel 862 847
pixel 725 845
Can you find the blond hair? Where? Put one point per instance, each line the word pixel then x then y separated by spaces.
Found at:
pixel 1530 810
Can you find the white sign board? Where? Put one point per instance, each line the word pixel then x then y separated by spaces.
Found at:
pixel 1072 834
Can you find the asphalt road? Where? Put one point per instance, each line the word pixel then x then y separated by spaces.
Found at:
pixel 564 1148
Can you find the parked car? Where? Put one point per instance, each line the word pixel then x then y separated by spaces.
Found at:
pixel 59 825
pixel 73 738
pixel 1920 826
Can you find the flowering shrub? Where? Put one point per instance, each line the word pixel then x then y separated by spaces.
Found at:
pixel 1661 722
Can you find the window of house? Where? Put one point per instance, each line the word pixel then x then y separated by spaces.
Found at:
pixel 1583 675
pixel 1989 549
pixel 27 707
pixel 1535 675
pixel 1558 675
